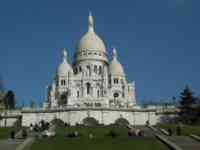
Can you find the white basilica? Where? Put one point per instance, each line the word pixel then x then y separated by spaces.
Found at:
pixel 91 87
pixel 92 80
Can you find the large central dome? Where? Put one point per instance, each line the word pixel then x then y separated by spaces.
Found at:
pixel 91 46
pixel 91 41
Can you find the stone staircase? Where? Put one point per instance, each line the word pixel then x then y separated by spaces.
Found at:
pixel 185 142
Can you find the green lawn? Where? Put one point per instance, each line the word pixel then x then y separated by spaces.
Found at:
pixel 5 133
pixel 100 142
pixel 185 129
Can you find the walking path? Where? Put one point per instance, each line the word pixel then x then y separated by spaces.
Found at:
pixel 184 142
pixel 9 144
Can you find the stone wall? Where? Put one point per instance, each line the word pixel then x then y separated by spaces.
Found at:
pixel 8 122
pixel 103 116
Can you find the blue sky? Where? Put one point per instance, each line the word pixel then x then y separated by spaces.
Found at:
pixel 158 42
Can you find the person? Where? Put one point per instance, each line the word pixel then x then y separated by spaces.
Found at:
pixel 12 134
pixel 147 123
pixel 170 132
pixel 76 133
pixel 24 134
pixel 31 127
pixel 178 130
pixel 91 136
pixel 140 133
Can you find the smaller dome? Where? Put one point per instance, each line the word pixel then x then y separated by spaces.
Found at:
pixel 64 68
pixel 115 68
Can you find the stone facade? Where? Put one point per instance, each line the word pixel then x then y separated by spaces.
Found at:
pixel 92 86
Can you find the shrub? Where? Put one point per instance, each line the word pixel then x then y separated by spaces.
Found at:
pixel 58 123
pixel 89 121
pixel 112 133
pixel 122 122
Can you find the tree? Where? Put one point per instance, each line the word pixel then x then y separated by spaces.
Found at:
pixel 32 104
pixel 187 112
pixel 187 98
pixel 10 100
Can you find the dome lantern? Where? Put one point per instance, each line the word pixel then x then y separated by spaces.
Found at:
pixel 64 68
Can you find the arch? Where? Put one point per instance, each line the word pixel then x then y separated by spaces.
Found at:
pixel 116 95
pixel 63 82
pixel 90 121
pixel 63 98
pixel 122 122
pixel 88 87
pixel 116 80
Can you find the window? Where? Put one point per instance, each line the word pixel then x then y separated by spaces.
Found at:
pixel 78 94
pixel 100 69
pixel 98 104
pixel 62 82
pixel 98 93
pixel 88 86
pixel 75 70
pixel 80 69
pixel 88 68
pixel 116 81
pixel 95 68
pixel 109 81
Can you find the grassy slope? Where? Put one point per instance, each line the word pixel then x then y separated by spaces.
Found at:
pixel 101 142
pixel 5 133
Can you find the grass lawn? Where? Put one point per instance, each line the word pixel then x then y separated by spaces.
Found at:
pixel 185 129
pixel 100 142
pixel 5 133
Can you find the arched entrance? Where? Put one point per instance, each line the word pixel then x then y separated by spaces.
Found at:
pixel 63 99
